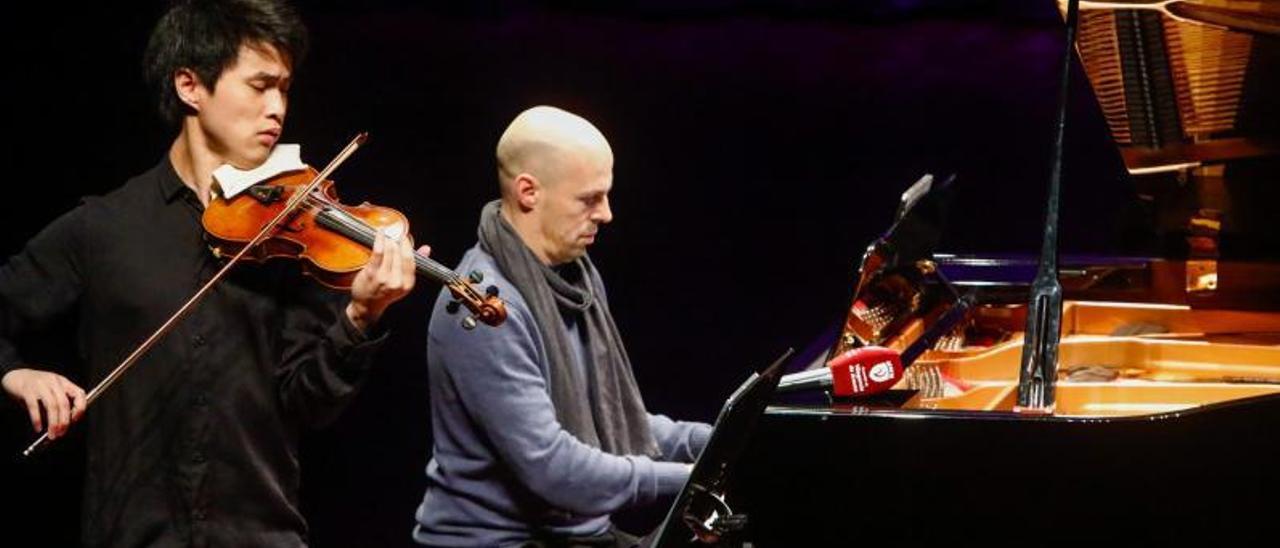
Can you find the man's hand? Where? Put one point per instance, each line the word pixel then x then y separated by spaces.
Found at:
pixel 387 278
pixel 62 401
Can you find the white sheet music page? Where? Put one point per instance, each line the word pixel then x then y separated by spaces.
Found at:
pixel 283 159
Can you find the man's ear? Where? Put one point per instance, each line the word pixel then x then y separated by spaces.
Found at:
pixel 189 89
pixel 528 191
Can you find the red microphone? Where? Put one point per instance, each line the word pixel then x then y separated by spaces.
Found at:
pixel 857 372
pixel 866 370
pixel 870 370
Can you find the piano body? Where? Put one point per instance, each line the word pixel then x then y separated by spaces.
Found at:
pixel 1166 425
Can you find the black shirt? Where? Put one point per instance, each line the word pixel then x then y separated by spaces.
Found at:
pixel 197 445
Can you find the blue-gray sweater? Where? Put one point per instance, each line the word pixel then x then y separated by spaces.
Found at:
pixel 503 468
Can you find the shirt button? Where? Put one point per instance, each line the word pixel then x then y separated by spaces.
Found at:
pixel 197 341
pixel 198 457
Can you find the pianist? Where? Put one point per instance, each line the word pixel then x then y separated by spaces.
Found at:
pixel 539 430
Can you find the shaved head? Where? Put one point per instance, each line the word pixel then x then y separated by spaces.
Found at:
pixel 548 143
pixel 555 170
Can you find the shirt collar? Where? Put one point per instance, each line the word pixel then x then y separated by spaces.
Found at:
pixel 171 186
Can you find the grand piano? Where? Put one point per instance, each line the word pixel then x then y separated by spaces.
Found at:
pixel 1165 427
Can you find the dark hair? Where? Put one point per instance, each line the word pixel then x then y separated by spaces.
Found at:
pixel 205 36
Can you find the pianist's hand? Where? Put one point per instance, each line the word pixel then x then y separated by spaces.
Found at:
pixel 62 401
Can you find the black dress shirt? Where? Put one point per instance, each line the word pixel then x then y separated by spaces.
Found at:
pixel 197 445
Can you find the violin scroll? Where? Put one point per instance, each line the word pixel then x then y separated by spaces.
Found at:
pixel 487 309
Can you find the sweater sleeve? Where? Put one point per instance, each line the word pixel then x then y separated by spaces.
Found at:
pixel 497 376
pixel 679 441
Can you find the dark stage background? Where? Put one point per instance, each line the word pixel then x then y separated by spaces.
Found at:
pixel 760 146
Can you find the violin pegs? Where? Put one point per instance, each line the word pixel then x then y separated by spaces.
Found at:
pixel 452 307
pixel 491 291
pixel 476 276
pixel 469 323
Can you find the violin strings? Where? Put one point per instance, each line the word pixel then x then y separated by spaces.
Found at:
pixel 365 230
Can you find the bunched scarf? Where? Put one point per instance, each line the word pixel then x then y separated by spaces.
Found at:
pixel 603 410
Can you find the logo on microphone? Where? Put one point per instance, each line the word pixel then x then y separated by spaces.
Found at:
pixel 881 372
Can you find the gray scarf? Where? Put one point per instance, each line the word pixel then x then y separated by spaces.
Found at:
pixel 604 410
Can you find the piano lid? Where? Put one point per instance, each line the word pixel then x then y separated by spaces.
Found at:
pixel 1182 83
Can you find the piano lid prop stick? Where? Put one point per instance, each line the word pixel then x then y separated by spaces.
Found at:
pixel 1038 372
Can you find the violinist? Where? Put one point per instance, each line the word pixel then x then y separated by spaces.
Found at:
pixel 540 433
pixel 198 444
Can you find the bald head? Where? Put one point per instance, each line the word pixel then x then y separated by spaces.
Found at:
pixel 556 170
pixel 549 143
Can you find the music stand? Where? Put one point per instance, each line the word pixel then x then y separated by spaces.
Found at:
pixel 700 511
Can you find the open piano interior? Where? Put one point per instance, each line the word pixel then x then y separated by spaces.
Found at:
pixel 1188 91
pixel 1168 377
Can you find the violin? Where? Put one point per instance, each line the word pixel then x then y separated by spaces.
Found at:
pixel 333 241
pixel 296 213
